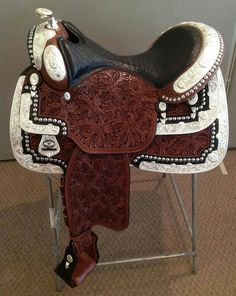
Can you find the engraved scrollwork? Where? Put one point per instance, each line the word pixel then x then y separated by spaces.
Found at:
pixel 25 160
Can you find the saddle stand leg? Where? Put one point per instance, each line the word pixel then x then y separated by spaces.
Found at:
pixel 55 220
pixel 194 222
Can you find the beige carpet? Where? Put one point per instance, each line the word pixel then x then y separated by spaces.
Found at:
pixel 156 226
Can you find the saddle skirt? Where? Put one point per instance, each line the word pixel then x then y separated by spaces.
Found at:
pixel 87 114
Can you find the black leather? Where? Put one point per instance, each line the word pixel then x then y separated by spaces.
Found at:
pixel 169 56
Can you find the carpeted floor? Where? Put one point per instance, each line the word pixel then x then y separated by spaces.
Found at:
pixel 156 226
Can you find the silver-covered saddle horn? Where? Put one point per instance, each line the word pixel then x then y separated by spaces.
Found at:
pixel 47 14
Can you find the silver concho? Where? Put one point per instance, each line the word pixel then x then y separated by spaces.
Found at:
pixel 48 146
pixel 162 106
pixel 67 96
pixel 34 79
pixel 54 63
pixel 193 100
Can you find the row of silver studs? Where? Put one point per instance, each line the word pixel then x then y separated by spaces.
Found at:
pixel 176 160
pixel 30 45
pixel 37 157
pixel 34 96
pixel 200 84
pixel 195 110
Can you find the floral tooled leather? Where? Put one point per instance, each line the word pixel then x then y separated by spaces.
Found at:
pixel 97 191
pixel 189 145
pixel 109 112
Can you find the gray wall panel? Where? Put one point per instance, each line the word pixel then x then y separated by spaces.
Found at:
pixel 125 27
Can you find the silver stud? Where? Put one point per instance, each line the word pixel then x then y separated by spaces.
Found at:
pixel 67 96
pixel 64 133
pixel 67 265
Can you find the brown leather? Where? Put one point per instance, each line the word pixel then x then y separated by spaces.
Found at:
pixel 84 266
pixel 109 112
pixel 86 249
pixel 97 191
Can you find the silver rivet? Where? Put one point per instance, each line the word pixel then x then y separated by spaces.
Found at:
pixel 67 96
pixel 67 265
pixel 69 258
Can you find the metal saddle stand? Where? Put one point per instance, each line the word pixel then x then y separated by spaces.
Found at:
pixel 55 210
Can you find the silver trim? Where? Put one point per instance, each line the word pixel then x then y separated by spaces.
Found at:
pixel 205 61
pixel 214 158
pixel 205 118
pixel 54 63
pixel 41 35
pixel 27 125
pixel 25 160
pixel 46 145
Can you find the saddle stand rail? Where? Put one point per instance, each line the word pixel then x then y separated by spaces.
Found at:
pixel 55 209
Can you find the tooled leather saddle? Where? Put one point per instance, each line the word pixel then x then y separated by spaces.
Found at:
pixel 88 114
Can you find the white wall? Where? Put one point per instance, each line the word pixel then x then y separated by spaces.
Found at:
pixel 125 27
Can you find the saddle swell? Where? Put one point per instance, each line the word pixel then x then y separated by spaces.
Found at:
pixel 87 114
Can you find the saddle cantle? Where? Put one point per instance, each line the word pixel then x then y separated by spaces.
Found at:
pixel 87 114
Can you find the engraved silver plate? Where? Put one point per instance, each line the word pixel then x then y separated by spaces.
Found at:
pixel 54 63
pixel 205 118
pixel 41 36
pixel 205 61
pixel 49 146
pixel 25 160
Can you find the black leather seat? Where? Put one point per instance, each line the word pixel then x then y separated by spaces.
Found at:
pixel 170 55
